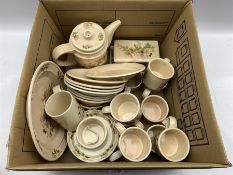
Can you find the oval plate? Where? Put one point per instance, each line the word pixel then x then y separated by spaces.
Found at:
pixel 48 136
pixel 116 71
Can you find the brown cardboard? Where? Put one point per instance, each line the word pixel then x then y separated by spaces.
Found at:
pixel 172 23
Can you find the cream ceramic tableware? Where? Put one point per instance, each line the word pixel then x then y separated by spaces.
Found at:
pixel 171 143
pixel 91 132
pixel 134 144
pixel 154 108
pixel 90 103
pixel 91 108
pixel 97 153
pixel 74 86
pixel 83 84
pixel 140 51
pixel 170 122
pixel 93 93
pixel 134 83
pixel 49 137
pixel 62 107
pixel 125 108
pixel 158 73
pixel 119 71
pixel 155 130
pixel 80 76
pixel 89 43
pixel 87 97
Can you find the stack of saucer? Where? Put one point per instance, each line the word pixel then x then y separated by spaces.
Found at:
pixel 90 92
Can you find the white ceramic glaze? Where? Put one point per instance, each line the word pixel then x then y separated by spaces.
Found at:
pixel 154 108
pixel 120 71
pixel 134 144
pixel 48 137
pixel 141 51
pixel 80 76
pixel 101 152
pixel 88 42
pixel 159 71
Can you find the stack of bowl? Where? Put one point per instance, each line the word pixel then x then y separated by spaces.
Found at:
pixel 89 92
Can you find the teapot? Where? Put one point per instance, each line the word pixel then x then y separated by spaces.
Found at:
pixel 88 42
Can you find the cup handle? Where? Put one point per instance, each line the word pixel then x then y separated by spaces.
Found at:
pixel 146 93
pixel 170 122
pixel 115 156
pixel 106 109
pixel 139 124
pixel 56 88
pixel 151 134
pixel 127 89
pixel 120 127
pixel 167 59
pixel 61 50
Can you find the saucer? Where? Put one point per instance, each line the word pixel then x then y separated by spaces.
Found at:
pixel 93 93
pixel 115 71
pixel 100 153
pixel 71 85
pixel 88 85
pixel 80 75
pixel 47 135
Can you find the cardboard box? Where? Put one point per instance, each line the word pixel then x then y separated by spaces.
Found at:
pixel 172 23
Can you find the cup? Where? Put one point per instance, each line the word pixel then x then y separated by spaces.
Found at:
pixel 155 130
pixel 62 107
pixel 125 108
pixel 158 73
pixel 134 83
pixel 154 108
pixel 91 132
pixel 170 143
pixel 134 144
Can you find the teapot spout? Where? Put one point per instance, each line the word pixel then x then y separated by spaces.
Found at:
pixel 110 29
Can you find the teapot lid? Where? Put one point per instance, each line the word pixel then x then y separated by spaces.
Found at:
pixel 88 36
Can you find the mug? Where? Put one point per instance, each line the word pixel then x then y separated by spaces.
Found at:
pixel 134 83
pixel 159 71
pixel 125 108
pixel 134 144
pixel 170 143
pixel 154 108
pixel 62 107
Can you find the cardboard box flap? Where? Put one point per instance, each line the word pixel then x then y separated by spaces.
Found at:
pixel 44 37
pixel 188 92
pixel 139 18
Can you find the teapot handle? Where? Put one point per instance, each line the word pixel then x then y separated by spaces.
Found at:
pixel 61 50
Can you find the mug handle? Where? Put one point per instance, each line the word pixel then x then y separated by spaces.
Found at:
pixel 106 109
pixel 167 59
pixel 56 89
pixel 115 156
pixel 139 124
pixel 170 122
pixel 146 93
pixel 120 127
pixel 128 89
pixel 61 50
